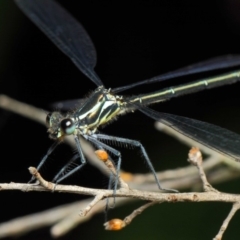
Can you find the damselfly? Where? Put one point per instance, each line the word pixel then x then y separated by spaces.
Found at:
pixel 104 105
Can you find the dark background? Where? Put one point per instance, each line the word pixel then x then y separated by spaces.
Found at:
pixel 133 42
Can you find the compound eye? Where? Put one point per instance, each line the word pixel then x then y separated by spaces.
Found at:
pixel 67 126
pixel 48 119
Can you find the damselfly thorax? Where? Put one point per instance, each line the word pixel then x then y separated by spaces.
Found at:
pixel 99 108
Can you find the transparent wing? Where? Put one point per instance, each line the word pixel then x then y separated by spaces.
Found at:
pixel 68 104
pixel 212 136
pixel 65 32
pixel 175 91
pixel 221 62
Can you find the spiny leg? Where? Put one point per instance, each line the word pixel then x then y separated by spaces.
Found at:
pixel 61 172
pixel 107 207
pixel 50 150
pixel 82 158
pixel 83 161
pixel 111 177
pixel 135 143
pixel 92 138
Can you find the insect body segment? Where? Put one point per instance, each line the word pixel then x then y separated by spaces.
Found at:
pixel 100 108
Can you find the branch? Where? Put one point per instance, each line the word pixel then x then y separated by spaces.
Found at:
pixel 122 192
pixel 209 195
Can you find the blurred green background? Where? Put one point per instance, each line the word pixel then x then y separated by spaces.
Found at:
pixel 133 43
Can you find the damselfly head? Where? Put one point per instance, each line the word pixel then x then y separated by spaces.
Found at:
pixel 59 125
